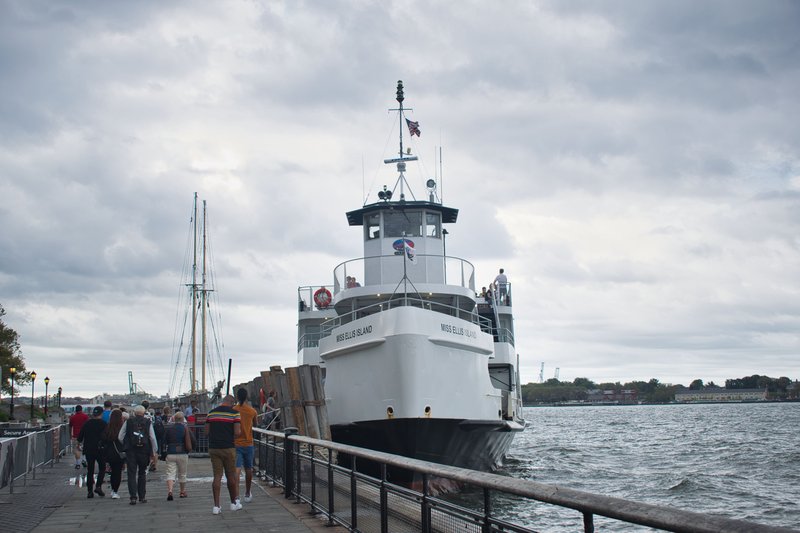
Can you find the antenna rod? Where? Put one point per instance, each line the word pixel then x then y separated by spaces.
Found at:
pixel 400 99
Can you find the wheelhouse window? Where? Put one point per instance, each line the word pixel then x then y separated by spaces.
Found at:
pixel 397 222
pixel 433 225
pixel 372 226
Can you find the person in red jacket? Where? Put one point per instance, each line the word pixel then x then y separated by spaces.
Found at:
pixel 76 423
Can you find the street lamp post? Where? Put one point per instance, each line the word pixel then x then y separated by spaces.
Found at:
pixel 12 371
pixel 46 383
pixel 59 397
pixel 33 384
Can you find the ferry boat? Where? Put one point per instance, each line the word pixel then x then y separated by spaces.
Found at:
pixel 415 362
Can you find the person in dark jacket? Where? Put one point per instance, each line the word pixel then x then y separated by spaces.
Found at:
pixel 141 448
pixel 112 448
pixel 90 437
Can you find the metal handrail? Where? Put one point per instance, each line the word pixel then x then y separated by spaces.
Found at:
pixel 33 450
pixel 287 471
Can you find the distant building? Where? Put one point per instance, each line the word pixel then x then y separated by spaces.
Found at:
pixel 612 396
pixel 718 394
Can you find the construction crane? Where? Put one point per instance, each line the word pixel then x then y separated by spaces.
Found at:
pixel 134 387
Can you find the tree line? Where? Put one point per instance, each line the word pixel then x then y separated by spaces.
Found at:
pixel 652 391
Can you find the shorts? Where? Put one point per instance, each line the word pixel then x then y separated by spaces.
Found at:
pixel 177 465
pixel 244 456
pixel 223 460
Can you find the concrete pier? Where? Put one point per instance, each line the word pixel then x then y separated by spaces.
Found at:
pixel 55 501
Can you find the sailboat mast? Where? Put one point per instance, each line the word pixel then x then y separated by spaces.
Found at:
pixel 204 296
pixel 194 298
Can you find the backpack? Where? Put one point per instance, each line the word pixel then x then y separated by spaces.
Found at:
pixel 140 434
pixel 159 430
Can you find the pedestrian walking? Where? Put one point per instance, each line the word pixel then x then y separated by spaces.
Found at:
pixel 140 448
pixel 76 422
pixel 90 438
pixel 245 449
pixel 178 442
pixel 223 425
pixel 114 451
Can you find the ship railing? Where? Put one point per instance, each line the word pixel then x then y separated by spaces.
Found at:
pixel 404 301
pixel 34 448
pixel 305 296
pixel 330 478
pixel 427 268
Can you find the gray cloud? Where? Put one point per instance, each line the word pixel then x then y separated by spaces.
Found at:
pixel 633 167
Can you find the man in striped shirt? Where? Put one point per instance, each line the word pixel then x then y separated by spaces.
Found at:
pixel 223 425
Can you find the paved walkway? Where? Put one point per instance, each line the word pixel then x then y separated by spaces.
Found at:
pixel 56 502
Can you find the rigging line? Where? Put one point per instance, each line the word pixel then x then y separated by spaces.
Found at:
pixel 214 296
pixel 380 163
pixel 175 353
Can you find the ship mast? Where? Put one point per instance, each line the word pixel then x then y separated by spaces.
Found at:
pixel 194 300
pixel 204 300
pixel 401 161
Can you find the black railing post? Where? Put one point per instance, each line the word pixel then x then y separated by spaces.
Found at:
pixel 274 448
pixel 313 480
pixel 588 522
pixel 426 511
pixel 384 501
pixel 330 487
pixel 353 497
pixel 487 511
pixel 299 469
pixel 288 455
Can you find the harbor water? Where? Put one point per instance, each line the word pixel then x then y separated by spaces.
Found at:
pixel 739 460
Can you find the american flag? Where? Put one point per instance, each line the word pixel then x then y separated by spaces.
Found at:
pixel 413 127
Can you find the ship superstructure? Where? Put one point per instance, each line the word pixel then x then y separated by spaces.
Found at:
pixel 416 363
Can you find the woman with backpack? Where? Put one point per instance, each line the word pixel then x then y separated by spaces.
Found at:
pixel 178 441
pixel 115 455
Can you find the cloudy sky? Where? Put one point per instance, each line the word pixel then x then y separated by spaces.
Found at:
pixel 634 166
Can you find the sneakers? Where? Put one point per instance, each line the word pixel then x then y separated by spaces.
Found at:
pixel 99 492
pixel 169 497
pixel 248 498
pixel 236 505
pixel 114 495
pixel 90 495
pixel 216 510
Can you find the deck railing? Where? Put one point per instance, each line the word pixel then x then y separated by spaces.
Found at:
pixel 308 471
pixel 34 449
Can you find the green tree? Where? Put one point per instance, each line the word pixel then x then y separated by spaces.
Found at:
pixel 586 383
pixel 10 355
pixel 696 384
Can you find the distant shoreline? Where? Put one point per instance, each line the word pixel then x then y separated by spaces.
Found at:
pixel 637 404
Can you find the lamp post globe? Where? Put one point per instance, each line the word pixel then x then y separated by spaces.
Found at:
pixel 33 384
pixel 46 384
pixel 12 371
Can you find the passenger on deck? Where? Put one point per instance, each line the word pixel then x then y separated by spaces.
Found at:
pixel 350 282
pixel 501 285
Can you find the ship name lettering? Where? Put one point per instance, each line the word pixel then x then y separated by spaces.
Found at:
pixel 458 330
pixel 353 333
